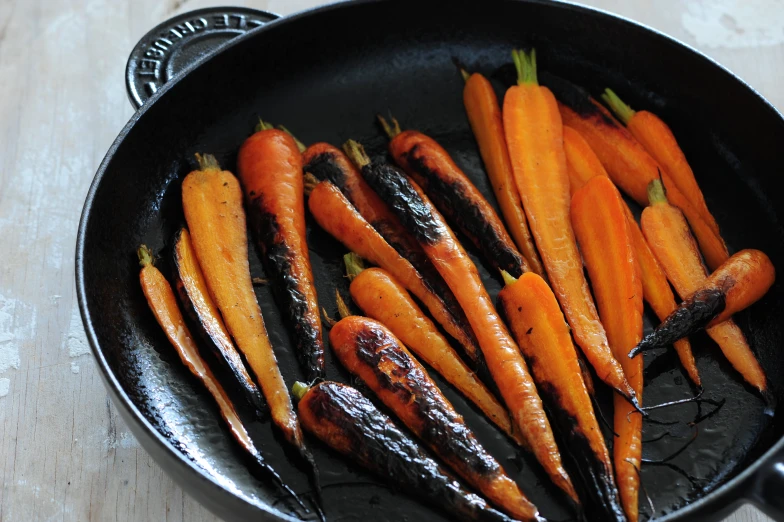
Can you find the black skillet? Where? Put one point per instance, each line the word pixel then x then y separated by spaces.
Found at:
pixel 325 73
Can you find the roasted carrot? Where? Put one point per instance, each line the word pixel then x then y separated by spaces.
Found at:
pixel 627 162
pixel 502 355
pixel 196 301
pixel 602 230
pixel 335 214
pixel 212 203
pixel 455 196
pixel 382 298
pixel 538 324
pixel 329 163
pixel 667 232
pixel 734 286
pixel 534 134
pixel 583 165
pixel 346 421
pixel 660 142
pixel 161 300
pixel 270 170
pixel 372 353
pixel 484 115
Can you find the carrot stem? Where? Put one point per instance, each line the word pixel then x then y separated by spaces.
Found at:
pixel 508 278
pixel 354 265
pixel 145 256
pixel 356 153
pixel 301 146
pixel 299 389
pixel 525 63
pixel 621 110
pixel 207 162
pixel 343 310
pixel 390 130
pixel 263 125
pixel 465 74
pixel 310 183
pixel 656 192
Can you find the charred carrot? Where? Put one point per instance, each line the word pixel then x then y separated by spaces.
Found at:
pixel 667 232
pixel 212 203
pixel 372 353
pixel 502 355
pixel 346 421
pixel 329 163
pixel 734 286
pixel 455 196
pixel 270 170
pixel 538 324
pixel 484 115
pixel 660 142
pixel 534 134
pixel 161 300
pixel 335 214
pixel 627 162
pixel 382 298
pixel 583 165
pixel 602 230
pixel 196 301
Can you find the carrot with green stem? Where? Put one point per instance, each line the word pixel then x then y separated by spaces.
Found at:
pixel 583 165
pixel 382 298
pixel 455 196
pixel 668 235
pixel 534 134
pixel 501 353
pixel 660 142
pixel 602 230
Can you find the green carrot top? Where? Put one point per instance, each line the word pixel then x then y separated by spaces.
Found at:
pixel 525 63
pixel 621 110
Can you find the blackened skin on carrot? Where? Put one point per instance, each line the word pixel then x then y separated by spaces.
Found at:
pixel 693 314
pixel 574 96
pixel 350 424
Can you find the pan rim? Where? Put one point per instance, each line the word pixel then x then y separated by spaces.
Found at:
pixel 727 495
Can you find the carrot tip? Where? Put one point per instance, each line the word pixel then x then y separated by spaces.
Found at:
pixel 356 153
pixel 354 265
pixel 299 389
pixel 207 162
pixel 263 125
pixel 656 192
pixel 301 146
pixel 390 130
pixel 623 111
pixel 525 63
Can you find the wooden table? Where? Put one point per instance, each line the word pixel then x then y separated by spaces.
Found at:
pixel 64 453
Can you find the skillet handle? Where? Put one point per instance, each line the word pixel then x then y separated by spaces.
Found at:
pixel 767 487
pixel 171 47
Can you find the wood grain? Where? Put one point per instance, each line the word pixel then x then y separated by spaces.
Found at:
pixel 64 453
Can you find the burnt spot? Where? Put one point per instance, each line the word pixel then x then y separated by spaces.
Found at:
pixel 692 315
pixel 596 478
pixel 438 424
pixel 575 97
pixel 325 167
pixel 353 426
pixel 405 201
pixel 453 199
pixel 278 259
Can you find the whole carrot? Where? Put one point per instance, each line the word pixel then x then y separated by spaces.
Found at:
pixel 534 134
pixel 536 321
pixel 667 232
pixel 502 355
pixel 660 142
pixel 484 115
pixel 372 353
pixel 382 298
pixel 583 165
pixel 603 233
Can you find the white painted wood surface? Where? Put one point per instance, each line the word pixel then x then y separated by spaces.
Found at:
pixel 64 453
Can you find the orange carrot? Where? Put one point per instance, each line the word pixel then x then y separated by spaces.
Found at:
pixel 583 165
pixel 668 235
pixel 534 134
pixel 484 115
pixel 603 233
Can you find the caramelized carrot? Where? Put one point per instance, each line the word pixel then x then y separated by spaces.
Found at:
pixel 538 324
pixel 160 298
pixel 629 165
pixel 382 298
pixel 335 214
pixel 660 142
pixel 602 230
pixel 455 196
pixel 212 203
pixel 667 232
pixel 484 115
pixel 270 169
pixel 330 163
pixel 534 134
pixel 583 165
pixel 372 353
pixel 196 300
pixel 502 355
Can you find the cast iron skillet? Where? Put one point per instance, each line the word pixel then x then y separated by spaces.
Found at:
pixel 325 73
